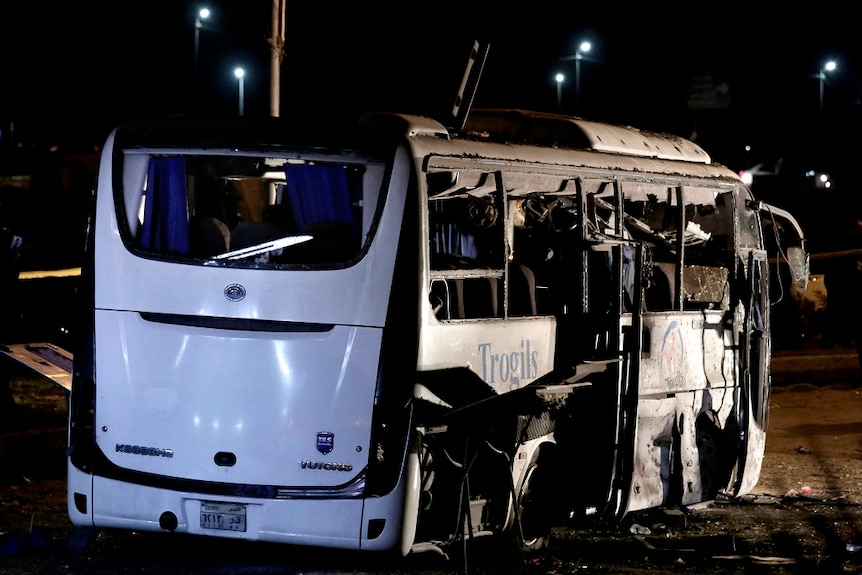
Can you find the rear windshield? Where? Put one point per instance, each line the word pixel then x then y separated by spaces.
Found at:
pixel 247 209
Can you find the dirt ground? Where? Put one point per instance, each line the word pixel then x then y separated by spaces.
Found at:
pixel 804 516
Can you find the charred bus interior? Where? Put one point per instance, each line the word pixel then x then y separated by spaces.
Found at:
pixel 654 288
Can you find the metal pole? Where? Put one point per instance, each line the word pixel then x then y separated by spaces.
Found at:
pixel 277 44
pixel 583 47
pixel 240 75
pixel 822 76
pixel 201 14
pixel 578 58
pixel 559 80
pixel 197 46
pixel 241 95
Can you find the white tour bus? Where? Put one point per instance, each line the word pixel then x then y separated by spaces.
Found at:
pixel 398 336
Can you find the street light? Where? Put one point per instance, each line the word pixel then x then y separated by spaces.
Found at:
pixel 579 55
pixel 202 14
pixel 559 80
pixel 828 67
pixel 240 75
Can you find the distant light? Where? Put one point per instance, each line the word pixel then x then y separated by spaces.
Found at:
pixel 822 180
pixel 203 14
pixel 747 177
pixel 239 72
pixel 559 78
pixel 830 66
pixel 585 47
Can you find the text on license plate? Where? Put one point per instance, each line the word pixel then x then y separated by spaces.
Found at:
pixel 224 516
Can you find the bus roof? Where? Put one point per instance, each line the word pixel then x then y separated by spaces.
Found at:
pixel 522 126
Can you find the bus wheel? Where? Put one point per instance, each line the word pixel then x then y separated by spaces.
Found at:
pixel 533 529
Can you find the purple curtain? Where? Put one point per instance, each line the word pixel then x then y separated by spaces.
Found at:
pixel 166 220
pixel 447 236
pixel 319 193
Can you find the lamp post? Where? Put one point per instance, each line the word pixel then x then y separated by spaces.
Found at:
pixel 240 75
pixel 583 48
pixel 828 67
pixel 202 14
pixel 559 78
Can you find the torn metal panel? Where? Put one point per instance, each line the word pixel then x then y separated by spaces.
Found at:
pixel 46 359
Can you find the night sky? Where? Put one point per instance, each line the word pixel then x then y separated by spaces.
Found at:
pixel 73 70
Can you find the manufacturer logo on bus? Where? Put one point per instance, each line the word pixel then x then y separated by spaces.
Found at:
pixel 234 292
pixel 325 441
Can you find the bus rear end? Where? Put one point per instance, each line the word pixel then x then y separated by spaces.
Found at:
pixel 231 360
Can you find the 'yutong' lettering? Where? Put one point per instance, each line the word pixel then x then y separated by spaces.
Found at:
pixel 512 367
pixel 325 465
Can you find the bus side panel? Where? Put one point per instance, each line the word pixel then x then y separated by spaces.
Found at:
pixel 507 355
pixel 755 446
pixel 684 434
pixel 654 447
pixel 686 351
pixel 754 399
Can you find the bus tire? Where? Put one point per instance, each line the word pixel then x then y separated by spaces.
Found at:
pixel 534 504
pixel 412 494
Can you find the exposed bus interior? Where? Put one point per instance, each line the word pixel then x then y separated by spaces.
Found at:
pixel 637 273
pixel 493 257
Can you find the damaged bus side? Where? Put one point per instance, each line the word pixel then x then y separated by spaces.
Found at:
pixel 402 336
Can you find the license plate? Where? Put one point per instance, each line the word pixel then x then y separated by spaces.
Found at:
pixel 223 516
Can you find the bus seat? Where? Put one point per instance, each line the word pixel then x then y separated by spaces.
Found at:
pixel 333 242
pixel 522 290
pixel 247 234
pixel 661 294
pixel 208 236
pixel 476 298
pixel 439 298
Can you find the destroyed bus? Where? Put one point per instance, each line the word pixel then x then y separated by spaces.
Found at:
pixel 401 335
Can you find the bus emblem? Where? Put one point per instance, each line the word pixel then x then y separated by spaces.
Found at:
pixel 325 441
pixel 234 292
